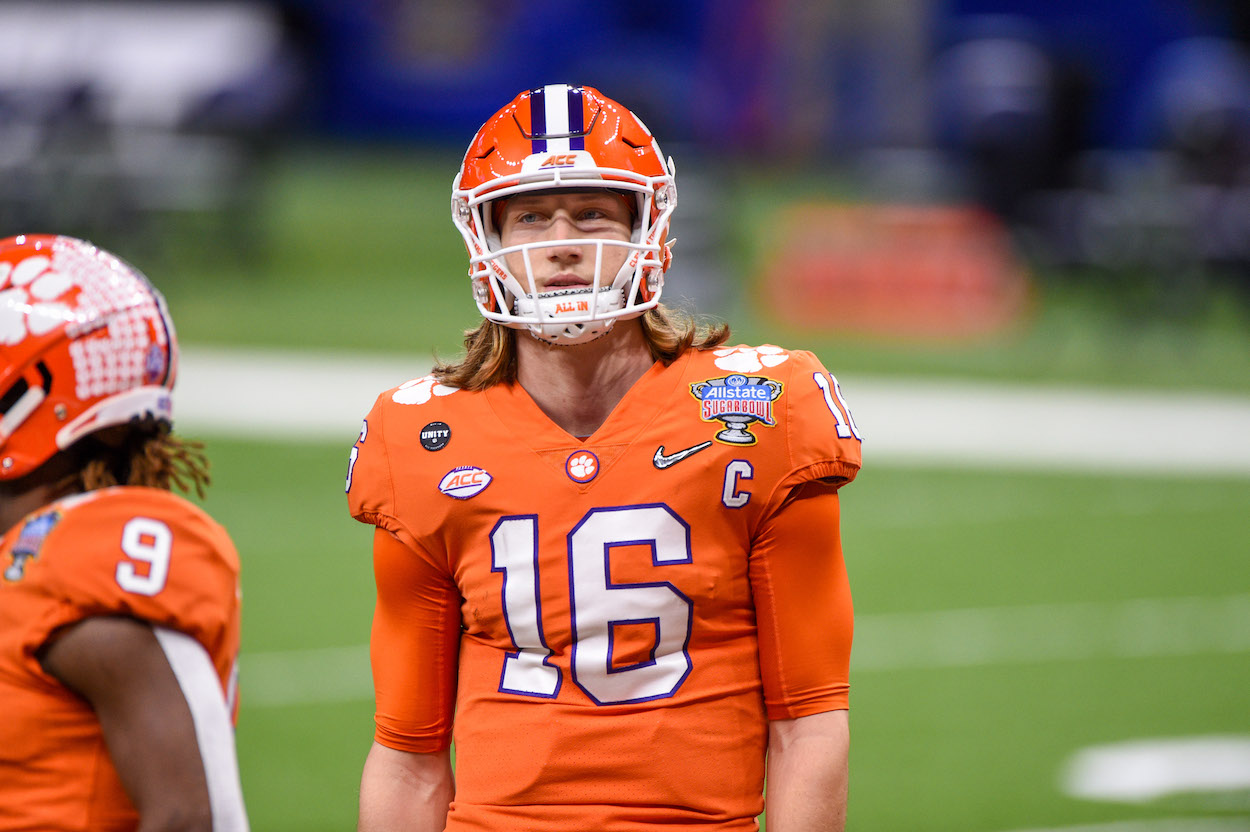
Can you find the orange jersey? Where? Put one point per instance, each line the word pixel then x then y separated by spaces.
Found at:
pixel 126 551
pixel 608 619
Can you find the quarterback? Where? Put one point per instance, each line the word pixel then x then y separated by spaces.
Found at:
pixel 119 601
pixel 607 545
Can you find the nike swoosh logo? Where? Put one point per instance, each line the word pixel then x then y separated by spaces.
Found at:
pixel 663 460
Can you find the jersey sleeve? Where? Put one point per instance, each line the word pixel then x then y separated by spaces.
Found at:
pixel 156 559
pixel 823 438
pixel 414 647
pixel 370 483
pixel 803 605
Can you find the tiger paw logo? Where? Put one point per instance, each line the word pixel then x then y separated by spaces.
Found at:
pixel 32 298
pixel 582 466
pixel 750 359
pixel 737 401
pixel 421 390
pixel 29 542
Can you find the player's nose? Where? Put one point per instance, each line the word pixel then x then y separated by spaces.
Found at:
pixel 563 228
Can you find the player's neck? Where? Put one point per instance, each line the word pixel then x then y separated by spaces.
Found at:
pixel 17 503
pixel 578 387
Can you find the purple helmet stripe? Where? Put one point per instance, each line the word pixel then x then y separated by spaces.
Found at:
pixel 577 125
pixel 538 119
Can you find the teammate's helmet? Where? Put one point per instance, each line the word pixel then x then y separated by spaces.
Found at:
pixel 561 136
pixel 85 343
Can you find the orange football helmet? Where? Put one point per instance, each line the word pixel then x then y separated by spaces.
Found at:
pixel 85 343
pixel 562 136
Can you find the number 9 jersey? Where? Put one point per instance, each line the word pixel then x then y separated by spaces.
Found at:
pixel 612 620
pixel 143 553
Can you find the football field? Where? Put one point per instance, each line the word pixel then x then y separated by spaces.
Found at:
pixel 1048 546
pixel 1015 618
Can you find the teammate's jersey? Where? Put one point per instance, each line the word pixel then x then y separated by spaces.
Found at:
pixel 608 671
pixel 126 551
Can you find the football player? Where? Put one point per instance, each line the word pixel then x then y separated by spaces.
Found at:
pixel 119 601
pixel 607 544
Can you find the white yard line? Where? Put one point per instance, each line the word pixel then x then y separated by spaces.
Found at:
pixel 1149 768
pixel 1052 427
pixel 1183 824
pixel 277 395
pixel 283 394
pixel 1142 628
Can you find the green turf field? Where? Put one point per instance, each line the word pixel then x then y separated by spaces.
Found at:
pixel 940 743
pixel 1093 608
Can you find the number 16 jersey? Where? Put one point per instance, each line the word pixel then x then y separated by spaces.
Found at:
pixel 601 616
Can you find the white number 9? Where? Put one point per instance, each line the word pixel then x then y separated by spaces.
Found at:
pixel 150 542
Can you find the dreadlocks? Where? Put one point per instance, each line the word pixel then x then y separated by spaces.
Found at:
pixel 141 453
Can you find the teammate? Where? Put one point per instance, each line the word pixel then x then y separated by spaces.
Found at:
pixel 119 601
pixel 607 545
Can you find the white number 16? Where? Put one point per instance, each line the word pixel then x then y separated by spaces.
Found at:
pixel 599 605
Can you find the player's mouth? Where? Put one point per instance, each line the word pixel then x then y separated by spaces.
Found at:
pixel 565 281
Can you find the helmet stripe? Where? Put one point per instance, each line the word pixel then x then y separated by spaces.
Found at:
pixel 557 118
pixel 577 123
pixel 538 120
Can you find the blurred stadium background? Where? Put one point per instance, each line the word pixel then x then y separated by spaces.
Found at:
pixel 1017 230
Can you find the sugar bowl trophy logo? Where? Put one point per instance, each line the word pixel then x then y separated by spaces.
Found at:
pixel 29 542
pixel 736 401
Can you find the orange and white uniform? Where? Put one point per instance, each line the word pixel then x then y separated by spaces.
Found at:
pixel 611 621
pixel 138 552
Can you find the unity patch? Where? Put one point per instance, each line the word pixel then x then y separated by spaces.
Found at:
pixel 435 436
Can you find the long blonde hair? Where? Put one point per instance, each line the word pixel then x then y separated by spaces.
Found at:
pixel 490 349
